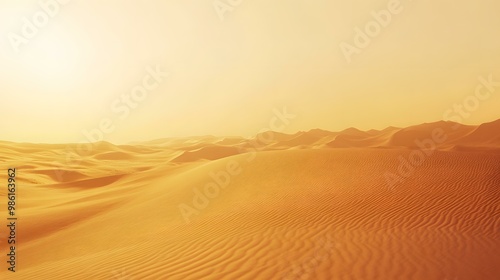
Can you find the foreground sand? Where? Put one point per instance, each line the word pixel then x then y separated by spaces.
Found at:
pixel 301 212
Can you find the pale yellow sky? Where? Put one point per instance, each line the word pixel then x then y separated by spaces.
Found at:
pixel 77 68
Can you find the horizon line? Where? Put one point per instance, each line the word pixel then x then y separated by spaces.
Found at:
pixel 135 142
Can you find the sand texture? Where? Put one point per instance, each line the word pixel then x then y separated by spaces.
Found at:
pixel 313 205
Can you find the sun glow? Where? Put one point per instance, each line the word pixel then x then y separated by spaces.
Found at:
pixel 235 69
pixel 52 60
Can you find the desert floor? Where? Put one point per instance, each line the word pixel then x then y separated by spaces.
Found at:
pixel 314 205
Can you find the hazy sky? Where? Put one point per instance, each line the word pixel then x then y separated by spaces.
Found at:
pixel 226 76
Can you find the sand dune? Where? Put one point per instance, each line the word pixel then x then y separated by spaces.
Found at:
pixel 485 135
pixel 354 132
pixel 321 212
pixel 406 137
pixel 209 152
pixel 457 135
pixel 303 139
pixel 114 156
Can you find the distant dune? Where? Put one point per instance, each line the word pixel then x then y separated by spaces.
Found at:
pixel 485 135
pixel 312 205
pixel 210 152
